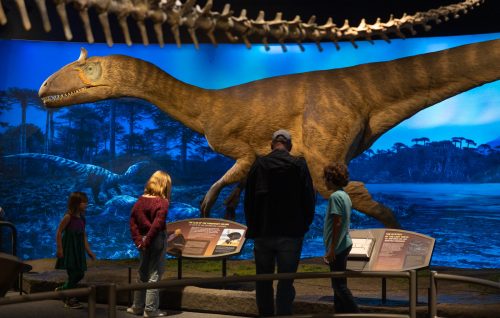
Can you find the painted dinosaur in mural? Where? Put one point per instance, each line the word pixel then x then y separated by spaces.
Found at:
pixel 192 18
pixel 333 115
pixel 98 179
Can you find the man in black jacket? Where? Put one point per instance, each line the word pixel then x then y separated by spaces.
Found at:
pixel 279 207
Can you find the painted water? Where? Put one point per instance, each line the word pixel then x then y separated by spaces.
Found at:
pixel 463 218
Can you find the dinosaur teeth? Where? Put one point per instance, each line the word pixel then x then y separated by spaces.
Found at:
pixel 57 97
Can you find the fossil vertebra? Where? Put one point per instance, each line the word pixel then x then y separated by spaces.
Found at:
pixel 192 17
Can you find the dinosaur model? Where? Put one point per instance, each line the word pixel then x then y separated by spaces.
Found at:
pixel 333 115
pixel 99 179
pixel 192 17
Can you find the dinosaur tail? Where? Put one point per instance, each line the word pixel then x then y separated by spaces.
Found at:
pixel 401 88
pixel 63 162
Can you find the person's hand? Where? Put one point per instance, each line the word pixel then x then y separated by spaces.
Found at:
pixel 59 253
pixel 329 257
pixel 91 255
pixel 141 245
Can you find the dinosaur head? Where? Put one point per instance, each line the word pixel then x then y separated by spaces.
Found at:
pixel 83 81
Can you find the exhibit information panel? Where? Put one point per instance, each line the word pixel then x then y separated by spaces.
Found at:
pixel 389 250
pixel 205 238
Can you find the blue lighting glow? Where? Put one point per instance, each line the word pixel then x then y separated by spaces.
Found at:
pixel 36 203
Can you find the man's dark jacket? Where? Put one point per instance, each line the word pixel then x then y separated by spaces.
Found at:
pixel 279 196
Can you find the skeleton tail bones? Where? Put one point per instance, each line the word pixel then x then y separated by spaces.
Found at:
pixel 192 17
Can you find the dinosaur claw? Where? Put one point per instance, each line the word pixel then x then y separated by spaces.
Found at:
pixel 205 207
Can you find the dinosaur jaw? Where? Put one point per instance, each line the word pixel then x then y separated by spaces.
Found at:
pixel 77 96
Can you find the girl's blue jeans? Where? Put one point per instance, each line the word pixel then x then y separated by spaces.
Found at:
pixel 150 270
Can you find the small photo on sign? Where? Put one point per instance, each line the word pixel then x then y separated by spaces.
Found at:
pixel 230 237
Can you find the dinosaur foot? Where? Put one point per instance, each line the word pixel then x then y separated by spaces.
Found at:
pixel 209 200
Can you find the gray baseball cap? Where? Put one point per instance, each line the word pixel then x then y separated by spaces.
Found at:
pixel 284 133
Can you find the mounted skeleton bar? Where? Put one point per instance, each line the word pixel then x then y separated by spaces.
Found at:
pixel 192 17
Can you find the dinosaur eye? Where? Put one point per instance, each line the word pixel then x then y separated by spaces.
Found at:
pixel 93 71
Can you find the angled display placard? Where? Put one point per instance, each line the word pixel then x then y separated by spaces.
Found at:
pixel 205 238
pixel 390 250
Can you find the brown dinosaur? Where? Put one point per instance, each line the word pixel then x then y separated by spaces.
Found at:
pixel 333 115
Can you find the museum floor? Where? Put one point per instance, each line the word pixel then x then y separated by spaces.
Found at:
pixel 313 295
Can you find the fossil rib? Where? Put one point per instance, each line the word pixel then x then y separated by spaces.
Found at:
pixel 43 12
pixel 3 18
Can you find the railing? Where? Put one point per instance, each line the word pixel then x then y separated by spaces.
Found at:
pixel 360 315
pixel 13 244
pixel 435 276
pixel 90 292
pixel 411 275
pixel 13 235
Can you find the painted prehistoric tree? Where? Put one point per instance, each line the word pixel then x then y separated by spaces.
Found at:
pixel 398 146
pixel 423 140
pixel 185 137
pixel 34 139
pixel 4 107
pixel 174 135
pixel 458 140
pixel 470 142
pixel 370 153
pixel 79 137
pixel 49 129
pixel 23 98
pixel 484 149
pixel 163 126
pixel 133 111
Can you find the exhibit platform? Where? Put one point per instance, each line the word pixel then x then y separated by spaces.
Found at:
pixel 314 296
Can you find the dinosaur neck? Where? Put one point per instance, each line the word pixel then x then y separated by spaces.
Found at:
pixel 143 80
pixel 399 89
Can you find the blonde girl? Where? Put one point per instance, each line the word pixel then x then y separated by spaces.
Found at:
pixel 147 227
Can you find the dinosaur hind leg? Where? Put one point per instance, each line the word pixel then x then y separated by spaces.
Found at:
pixel 232 201
pixel 236 173
pixel 363 202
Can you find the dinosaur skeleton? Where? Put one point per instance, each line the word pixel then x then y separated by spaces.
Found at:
pixel 192 17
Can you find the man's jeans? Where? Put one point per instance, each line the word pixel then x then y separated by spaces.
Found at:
pixel 342 296
pixel 285 253
pixel 150 270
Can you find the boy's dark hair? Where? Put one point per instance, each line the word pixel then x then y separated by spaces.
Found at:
pixel 74 200
pixel 337 174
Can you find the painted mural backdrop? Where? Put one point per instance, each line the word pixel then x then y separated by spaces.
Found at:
pixel 439 171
